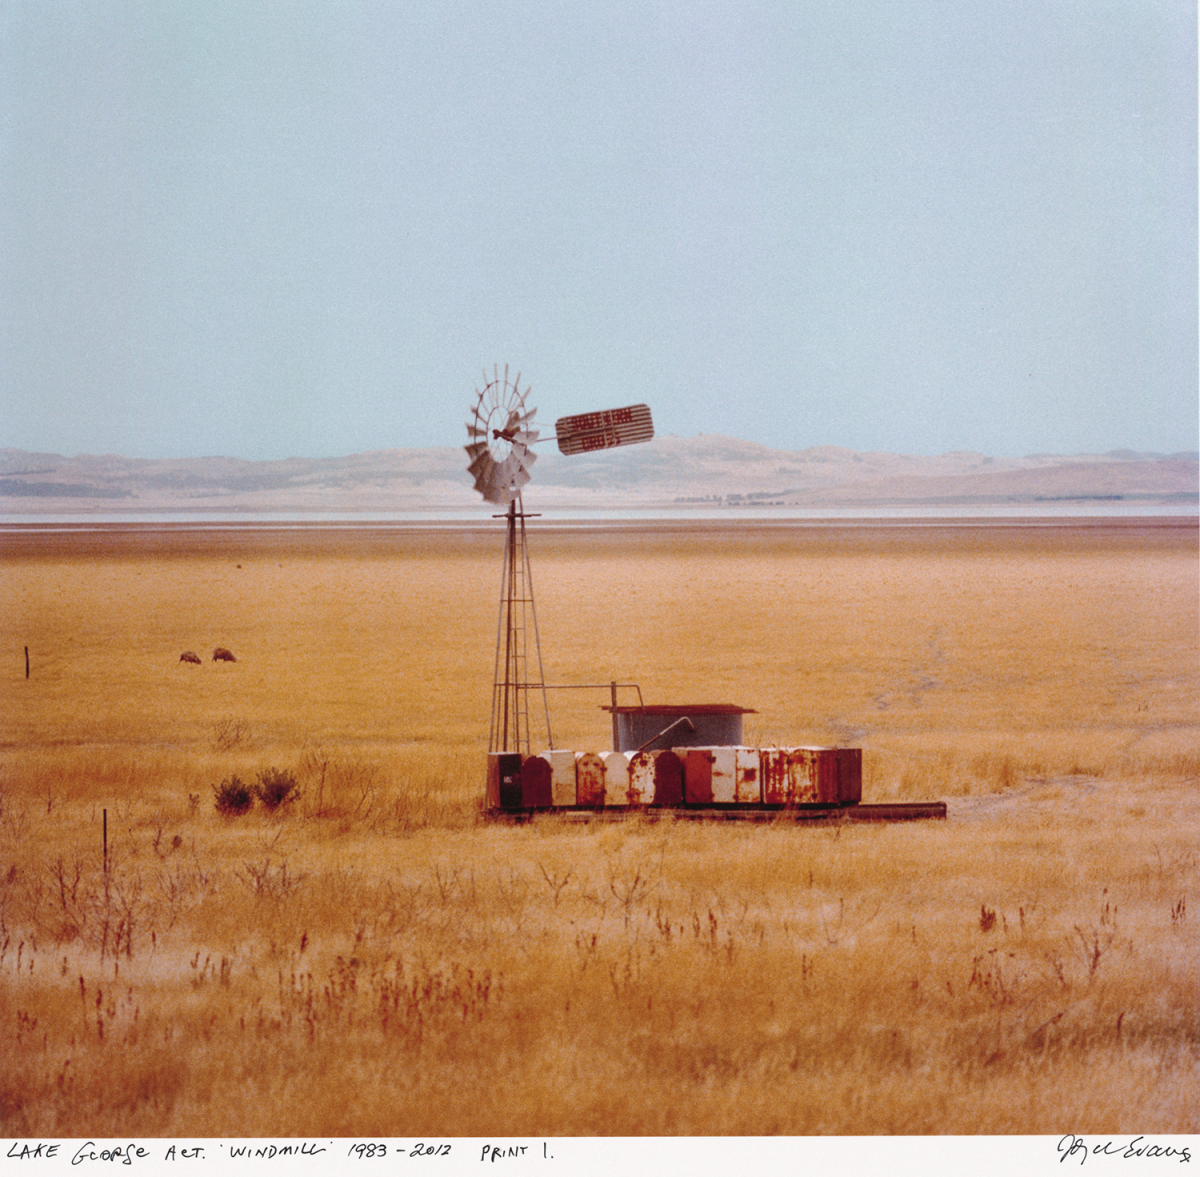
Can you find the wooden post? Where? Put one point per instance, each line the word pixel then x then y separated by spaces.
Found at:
pixel 26 661
pixel 105 841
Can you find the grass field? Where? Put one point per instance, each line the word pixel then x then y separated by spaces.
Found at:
pixel 1028 966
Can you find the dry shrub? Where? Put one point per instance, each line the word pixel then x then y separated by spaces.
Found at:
pixel 233 797
pixel 340 786
pixel 276 786
pixel 229 733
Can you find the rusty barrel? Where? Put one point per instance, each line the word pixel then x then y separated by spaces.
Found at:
pixel 589 780
pixel 811 776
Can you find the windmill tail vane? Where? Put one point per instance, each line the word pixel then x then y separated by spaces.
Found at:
pixel 587 432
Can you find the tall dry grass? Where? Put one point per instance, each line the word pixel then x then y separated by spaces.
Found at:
pixel 1028 966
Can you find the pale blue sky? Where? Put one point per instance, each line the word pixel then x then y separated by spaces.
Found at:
pixel 301 228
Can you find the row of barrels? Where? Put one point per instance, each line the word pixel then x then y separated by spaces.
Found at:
pixel 715 776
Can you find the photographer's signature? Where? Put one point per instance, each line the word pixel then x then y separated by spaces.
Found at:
pixel 1139 1146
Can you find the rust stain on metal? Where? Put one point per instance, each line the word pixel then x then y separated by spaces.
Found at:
pixel 808 776
pixel 724 775
pixel 602 430
pixel 747 785
pixel 616 778
pixel 589 779
pixel 641 778
pixel 729 782
pixel 562 775
pixel 697 775
pixel 820 787
pixel 773 764
pixel 656 778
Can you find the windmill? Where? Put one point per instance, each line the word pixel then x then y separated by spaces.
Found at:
pixel 502 433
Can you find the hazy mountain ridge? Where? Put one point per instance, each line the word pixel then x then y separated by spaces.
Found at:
pixel 669 470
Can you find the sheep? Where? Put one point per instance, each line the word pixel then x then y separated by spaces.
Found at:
pixel 220 654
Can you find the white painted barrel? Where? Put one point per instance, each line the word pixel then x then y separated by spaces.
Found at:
pixel 641 778
pixel 747 779
pixel 616 778
pixel 562 775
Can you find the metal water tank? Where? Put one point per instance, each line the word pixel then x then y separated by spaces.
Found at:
pixel 694 725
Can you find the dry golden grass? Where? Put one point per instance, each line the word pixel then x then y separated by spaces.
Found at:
pixel 1028 966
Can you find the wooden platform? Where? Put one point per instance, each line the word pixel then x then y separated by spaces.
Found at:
pixel 796 815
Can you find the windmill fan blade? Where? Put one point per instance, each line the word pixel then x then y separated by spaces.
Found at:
pixel 496 484
pixel 514 473
pixel 490 485
pixel 500 433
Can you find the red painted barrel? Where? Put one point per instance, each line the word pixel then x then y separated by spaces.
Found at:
pixel 849 776
pixel 535 783
pixel 668 779
pixel 697 775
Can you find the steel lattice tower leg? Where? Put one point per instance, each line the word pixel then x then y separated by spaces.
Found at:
pixel 512 684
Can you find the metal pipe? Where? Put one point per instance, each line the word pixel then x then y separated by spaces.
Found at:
pixel 683 719
pixel 593 686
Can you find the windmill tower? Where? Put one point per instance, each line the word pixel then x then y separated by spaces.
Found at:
pixel 501 432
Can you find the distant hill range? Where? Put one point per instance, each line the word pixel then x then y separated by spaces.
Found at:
pixel 708 471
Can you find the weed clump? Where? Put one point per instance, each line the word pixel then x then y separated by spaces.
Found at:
pixel 229 733
pixel 233 797
pixel 275 786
